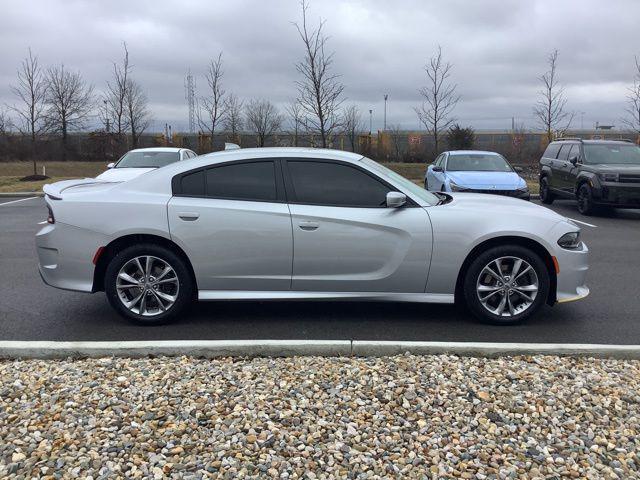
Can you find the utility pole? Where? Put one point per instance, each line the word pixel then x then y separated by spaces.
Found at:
pixel 386 96
pixel 582 120
pixel 370 121
pixel 190 97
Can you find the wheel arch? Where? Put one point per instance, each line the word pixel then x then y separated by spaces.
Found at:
pixel 537 247
pixel 125 241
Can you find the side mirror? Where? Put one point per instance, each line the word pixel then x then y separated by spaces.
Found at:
pixel 111 165
pixel 574 160
pixel 518 169
pixel 438 169
pixel 396 199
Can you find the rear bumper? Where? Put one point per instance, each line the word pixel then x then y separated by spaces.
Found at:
pixel 65 256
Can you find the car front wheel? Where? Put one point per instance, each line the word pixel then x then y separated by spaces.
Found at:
pixel 148 284
pixel 506 285
pixel 585 200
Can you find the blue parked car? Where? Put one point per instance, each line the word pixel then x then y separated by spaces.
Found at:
pixel 475 171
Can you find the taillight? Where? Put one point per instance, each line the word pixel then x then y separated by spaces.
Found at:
pixel 50 218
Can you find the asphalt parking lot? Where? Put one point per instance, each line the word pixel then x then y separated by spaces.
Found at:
pixel 29 310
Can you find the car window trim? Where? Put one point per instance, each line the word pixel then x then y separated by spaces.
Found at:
pixel 290 190
pixel 280 190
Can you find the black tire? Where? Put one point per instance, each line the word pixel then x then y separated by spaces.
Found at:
pixel 472 277
pixel 185 286
pixel 546 196
pixel 426 184
pixel 585 200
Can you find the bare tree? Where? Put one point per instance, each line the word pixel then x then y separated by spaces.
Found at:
pixel 115 105
pixel 319 90
pixel 211 105
pixel 395 132
pixel 31 91
pixel 440 98
pixel 550 108
pixel 263 119
pixel 352 125
pixel 136 110
pixel 232 120
pixel 5 122
pixel 294 111
pixel 69 102
pixel 632 119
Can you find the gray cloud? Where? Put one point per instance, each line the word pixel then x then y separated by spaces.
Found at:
pixel 498 48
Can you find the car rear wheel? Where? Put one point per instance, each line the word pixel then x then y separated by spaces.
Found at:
pixel 506 285
pixel 546 196
pixel 148 284
pixel 585 200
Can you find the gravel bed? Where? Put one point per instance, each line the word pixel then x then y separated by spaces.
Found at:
pixel 310 417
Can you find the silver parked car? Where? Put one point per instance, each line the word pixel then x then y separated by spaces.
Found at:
pixel 292 223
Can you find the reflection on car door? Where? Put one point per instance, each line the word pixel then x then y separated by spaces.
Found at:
pixel 346 239
pixel 233 222
pixel 561 167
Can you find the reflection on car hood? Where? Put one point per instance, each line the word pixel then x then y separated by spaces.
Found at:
pixel 122 174
pixel 487 180
pixel 484 204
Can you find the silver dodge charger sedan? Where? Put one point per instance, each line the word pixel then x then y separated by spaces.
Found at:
pixel 294 224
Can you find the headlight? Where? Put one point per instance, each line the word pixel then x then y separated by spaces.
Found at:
pixel 455 187
pixel 570 240
pixel 609 177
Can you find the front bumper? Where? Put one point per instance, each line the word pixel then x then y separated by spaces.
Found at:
pixel 571 280
pixel 620 195
pixel 505 193
pixel 65 256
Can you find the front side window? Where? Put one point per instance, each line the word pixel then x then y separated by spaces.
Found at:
pixel 612 153
pixel 478 162
pixel 147 159
pixel 334 184
pixel 243 181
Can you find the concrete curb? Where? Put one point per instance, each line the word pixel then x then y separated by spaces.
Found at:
pixel 21 194
pixel 289 348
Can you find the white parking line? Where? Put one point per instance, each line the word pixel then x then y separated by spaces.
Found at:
pixel 16 201
pixel 583 223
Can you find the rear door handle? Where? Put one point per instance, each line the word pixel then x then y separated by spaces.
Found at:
pixel 189 216
pixel 308 226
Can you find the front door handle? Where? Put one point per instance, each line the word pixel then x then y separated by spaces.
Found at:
pixel 308 226
pixel 189 216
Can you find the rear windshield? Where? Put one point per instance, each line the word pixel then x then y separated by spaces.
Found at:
pixel 147 159
pixel 613 153
pixel 477 162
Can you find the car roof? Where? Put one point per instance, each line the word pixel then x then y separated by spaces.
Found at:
pixel 467 152
pixel 276 152
pixel 595 141
pixel 158 149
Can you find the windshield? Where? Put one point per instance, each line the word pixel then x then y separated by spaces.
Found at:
pixel 149 159
pixel 613 153
pixel 478 162
pixel 402 182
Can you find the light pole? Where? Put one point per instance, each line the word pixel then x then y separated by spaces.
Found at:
pixel 386 97
pixel 370 121
pixel 582 120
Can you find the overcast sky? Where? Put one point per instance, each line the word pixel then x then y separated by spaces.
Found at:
pixel 498 49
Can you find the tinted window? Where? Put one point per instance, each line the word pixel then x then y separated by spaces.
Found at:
pixel 564 151
pixel 147 159
pixel 192 184
pixel 552 150
pixel 335 184
pixel 614 153
pixel 575 151
pixel 243 181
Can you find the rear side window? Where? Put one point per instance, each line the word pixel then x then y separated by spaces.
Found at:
pixel 552 150
pixel 242 181
pixel 192 184
pixel 564 151
pixel 334 184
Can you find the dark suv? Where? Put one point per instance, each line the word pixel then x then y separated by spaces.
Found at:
pixel 598 173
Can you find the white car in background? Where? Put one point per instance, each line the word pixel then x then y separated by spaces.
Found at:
pixel 143 160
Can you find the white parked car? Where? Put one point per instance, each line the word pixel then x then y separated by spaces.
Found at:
pixel 295 223
pixel 143 160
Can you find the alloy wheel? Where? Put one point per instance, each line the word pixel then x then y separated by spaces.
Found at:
pixel 147 285
pixel 507 286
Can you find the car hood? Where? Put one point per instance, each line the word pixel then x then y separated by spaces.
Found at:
pixel 502 205
pixel 616 168
pixel 487 180
pixel 122 174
